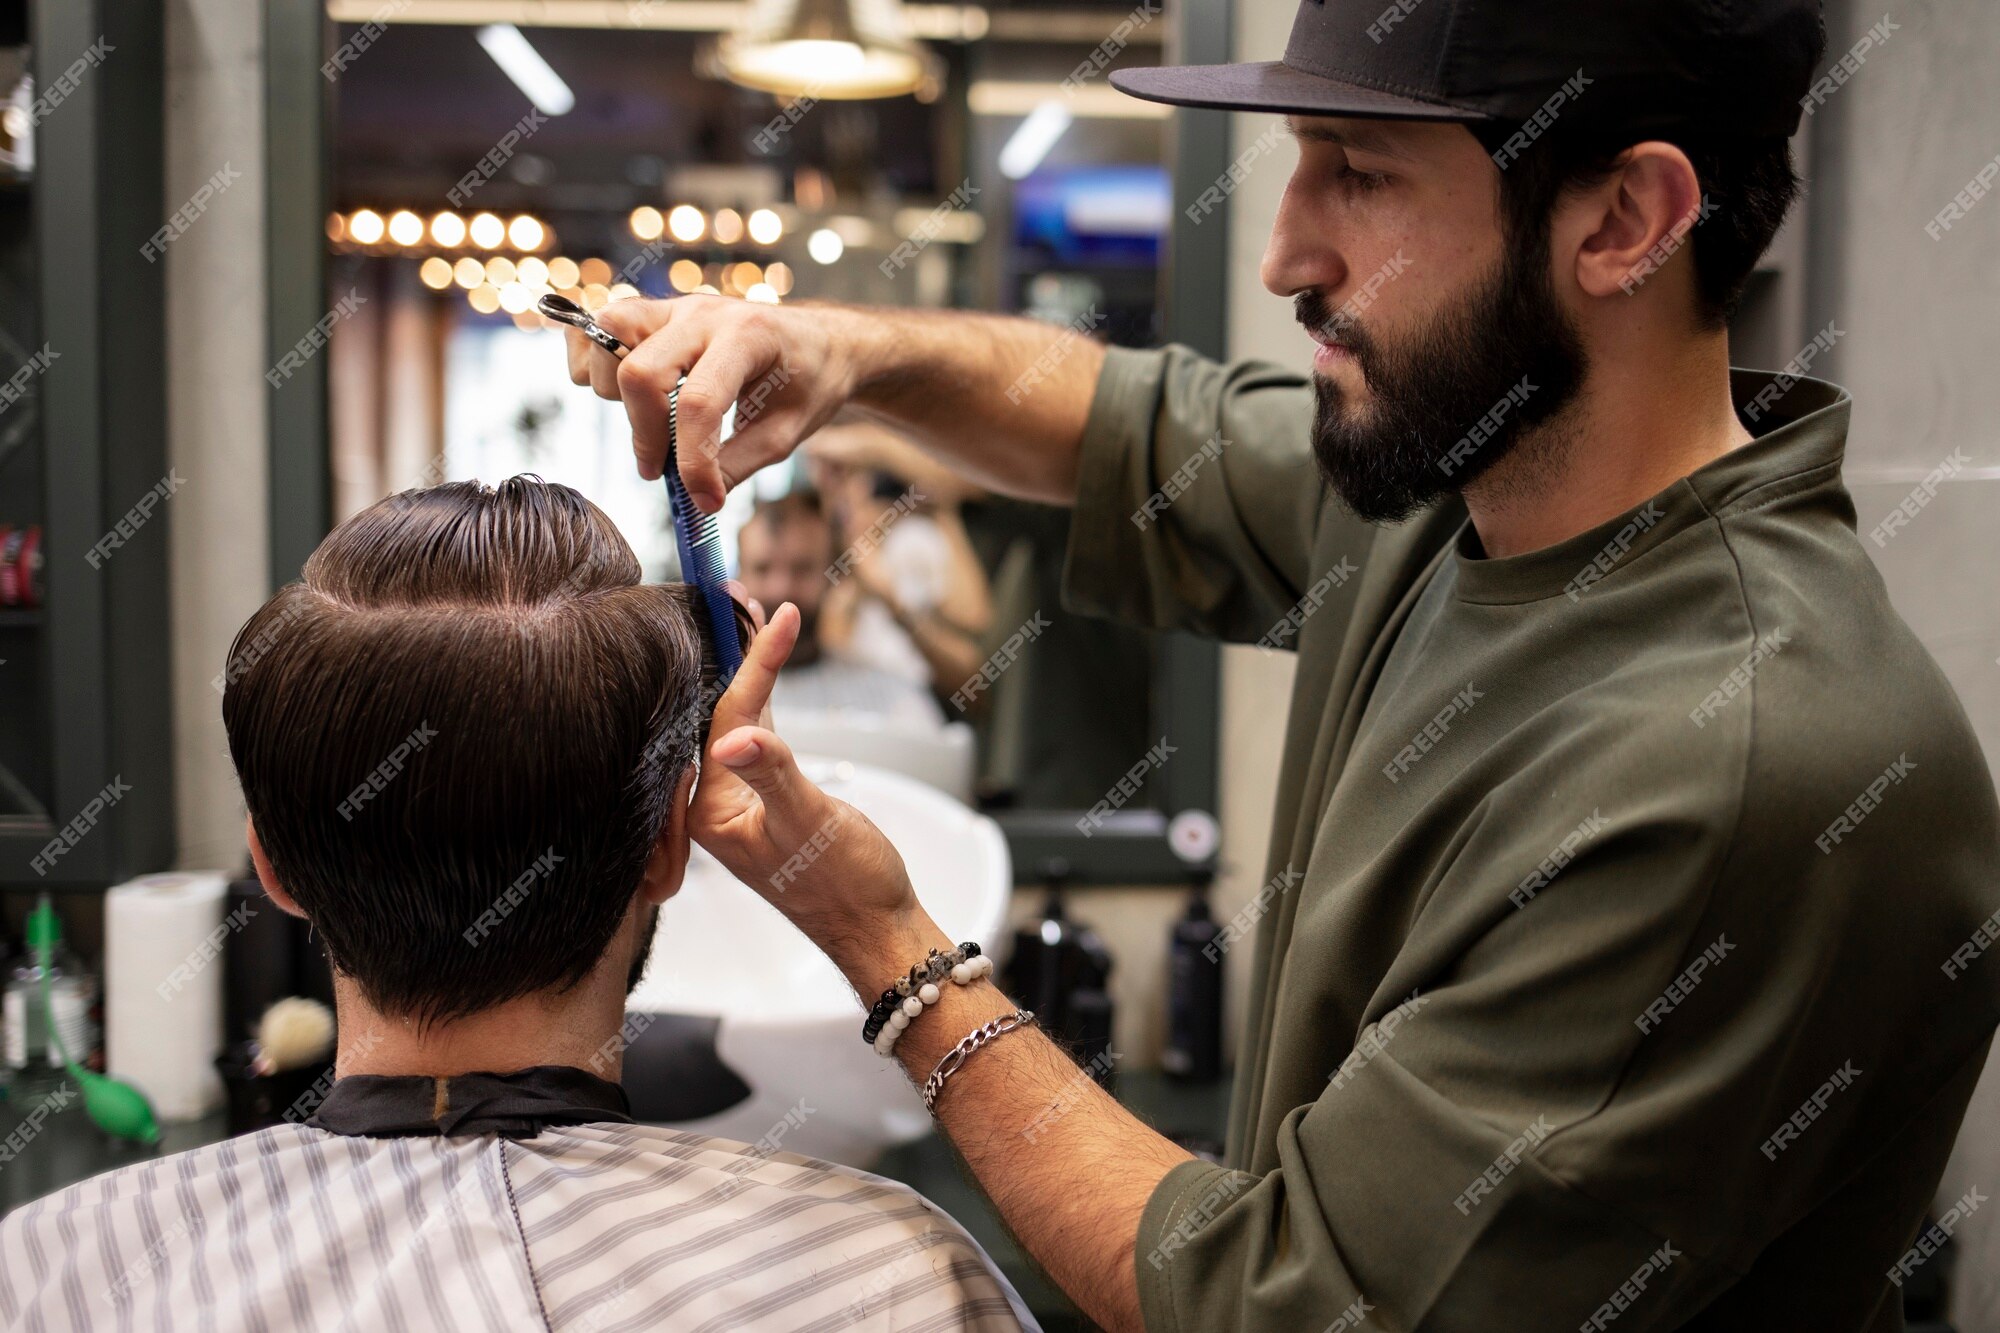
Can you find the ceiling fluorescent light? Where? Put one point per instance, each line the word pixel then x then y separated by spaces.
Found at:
pixel 1091 101
pixel 1033 138
pixel 932 22
pixel 524 65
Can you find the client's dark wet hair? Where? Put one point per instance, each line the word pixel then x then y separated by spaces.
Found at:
pixel 459 735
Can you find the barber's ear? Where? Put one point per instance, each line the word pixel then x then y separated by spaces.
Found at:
pixel 1627 228
pixel 667 866
pixel 265 875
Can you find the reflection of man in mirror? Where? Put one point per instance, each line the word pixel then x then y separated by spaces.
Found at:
pixel 909 594
pixel 786 554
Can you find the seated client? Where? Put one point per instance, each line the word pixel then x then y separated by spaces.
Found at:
pixel 467 748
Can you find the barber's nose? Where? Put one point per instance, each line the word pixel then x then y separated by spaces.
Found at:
pixel 1301 254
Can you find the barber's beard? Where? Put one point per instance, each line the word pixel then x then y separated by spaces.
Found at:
pixel 1392 455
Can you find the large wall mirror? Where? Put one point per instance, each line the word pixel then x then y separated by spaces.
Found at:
pixel 436 165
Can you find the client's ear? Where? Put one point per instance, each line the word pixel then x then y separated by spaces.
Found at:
pixel 265 876
pixel 666 867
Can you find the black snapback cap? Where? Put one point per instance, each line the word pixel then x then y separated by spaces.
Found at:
pixel 1739 67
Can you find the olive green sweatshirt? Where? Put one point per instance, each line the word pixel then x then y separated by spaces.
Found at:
pixel 1622 961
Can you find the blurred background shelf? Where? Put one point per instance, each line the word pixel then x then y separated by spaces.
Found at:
pixel 84 699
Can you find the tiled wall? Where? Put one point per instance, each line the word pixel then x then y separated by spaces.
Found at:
pixel 1920 349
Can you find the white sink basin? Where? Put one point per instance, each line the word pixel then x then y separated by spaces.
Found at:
pixel 787 1023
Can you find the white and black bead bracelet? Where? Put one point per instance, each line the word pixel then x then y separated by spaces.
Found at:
pixel 918 989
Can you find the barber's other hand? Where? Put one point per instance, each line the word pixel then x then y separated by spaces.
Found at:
pixel 819 861
pixel 787 368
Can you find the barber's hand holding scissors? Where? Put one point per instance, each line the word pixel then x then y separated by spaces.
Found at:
pixel 787 370
pixel 1000 400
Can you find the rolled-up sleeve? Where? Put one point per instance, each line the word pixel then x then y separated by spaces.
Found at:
pixel 1198 503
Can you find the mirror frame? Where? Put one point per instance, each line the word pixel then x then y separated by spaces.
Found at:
pixel 1131 846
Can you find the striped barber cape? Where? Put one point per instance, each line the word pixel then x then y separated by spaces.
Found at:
pixel 581 1228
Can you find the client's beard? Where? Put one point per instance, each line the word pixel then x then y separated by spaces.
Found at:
pixel 1392 456
pixel 638 970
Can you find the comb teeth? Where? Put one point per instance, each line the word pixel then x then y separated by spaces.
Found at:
pixel 700 547
pixel 722 618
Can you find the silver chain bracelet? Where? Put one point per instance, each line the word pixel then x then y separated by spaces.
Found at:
pixel 973 1040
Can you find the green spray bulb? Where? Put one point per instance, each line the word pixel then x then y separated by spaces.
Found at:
pixel 116 1107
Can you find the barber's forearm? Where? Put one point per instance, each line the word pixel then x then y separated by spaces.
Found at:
pixel 1002 399
pixel 1069 1169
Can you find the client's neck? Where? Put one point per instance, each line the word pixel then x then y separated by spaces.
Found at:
pixel 579 1028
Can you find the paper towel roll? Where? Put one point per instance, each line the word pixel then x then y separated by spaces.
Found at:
pixel 163 942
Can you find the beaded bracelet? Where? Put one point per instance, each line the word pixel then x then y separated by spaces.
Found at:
pixel 923 984
pixel 918 988
pixel 933 969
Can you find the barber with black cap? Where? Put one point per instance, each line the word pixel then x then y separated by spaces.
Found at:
pixel 1622 959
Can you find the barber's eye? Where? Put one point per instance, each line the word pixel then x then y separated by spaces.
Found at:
pixel 1361 180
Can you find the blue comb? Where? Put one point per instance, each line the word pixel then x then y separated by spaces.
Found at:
pixel 700 546
pixel 695 535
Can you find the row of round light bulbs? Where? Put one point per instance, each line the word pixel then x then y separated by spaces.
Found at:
pixel 562 273
pixel 503 284
pixel 448 231
pixel 487 231
pixel 687 224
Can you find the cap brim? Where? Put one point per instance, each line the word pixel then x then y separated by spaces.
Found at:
pixel 1272 85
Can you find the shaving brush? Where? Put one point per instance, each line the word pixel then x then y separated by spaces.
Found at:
pixel 292 1033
